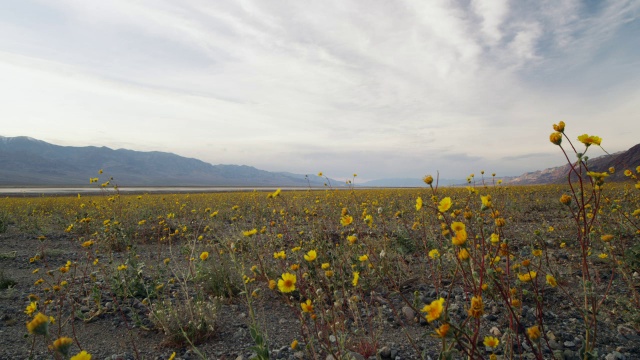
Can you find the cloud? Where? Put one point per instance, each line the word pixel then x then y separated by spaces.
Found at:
pixel 376 89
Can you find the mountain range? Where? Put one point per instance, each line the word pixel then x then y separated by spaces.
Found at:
pixel 556 175
pixel 25 161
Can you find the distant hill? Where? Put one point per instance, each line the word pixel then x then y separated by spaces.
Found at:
pixel 25 161
pixel 620 161
pixel 408 182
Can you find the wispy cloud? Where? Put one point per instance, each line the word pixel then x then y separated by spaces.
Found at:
pixel 381 87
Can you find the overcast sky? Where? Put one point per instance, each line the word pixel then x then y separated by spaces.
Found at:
pixel 384 89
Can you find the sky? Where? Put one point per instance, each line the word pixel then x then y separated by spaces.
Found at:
pixel 384 89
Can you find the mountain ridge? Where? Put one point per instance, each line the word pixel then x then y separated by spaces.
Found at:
pixel 620 161
pixel 28 161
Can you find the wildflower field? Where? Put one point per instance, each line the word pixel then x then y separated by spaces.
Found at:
pixel 482 271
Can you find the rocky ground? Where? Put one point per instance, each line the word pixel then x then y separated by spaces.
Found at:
pixel 122 335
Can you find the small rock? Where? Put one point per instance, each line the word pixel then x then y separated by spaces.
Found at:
pixel 626 331
pixel 491 317
pixel 385 352
pixel 329 357
pixel 355 356
pixel 569 344
pixel 408 313
pixel 568 354
pixel 554 345
pixel 615 356
pixel 495 331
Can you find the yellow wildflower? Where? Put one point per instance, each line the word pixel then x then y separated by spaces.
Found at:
pixel 551 280
pixel 555 138
pixel 204 255
pixel 477 307
pixel 460 238
pixel 356 277
pixel 434 254
pixel 606 238
pixel 533 332
pixel 443 330
pixel 495 238
pixel 433 310
pixel 325 266
pixel 122 267
pixel 428 179
pixel 445 204
pixel 418 203
pixel 457 226
pixel 31 308
pixel 287 283
pixel 250 233
pixel 279 255
pixel 528 276
pixel 87 244
pixel 536 252
pixel 346 220
pixel 486 202
pixel 62 345
pixel 559 127
pixel 272 284
pixel 463 254
pixel 294 344
pixel 491 341
pixel 588 140
pixel 363 258
pixel 39 325
pixel 307 306
pixel 310 256
pixel 82 355
pixel 565 199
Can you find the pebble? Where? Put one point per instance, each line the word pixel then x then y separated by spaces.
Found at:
pixel 569 344
pixel 615 356
pixel 495 331
pixel 408 313
pixel 554 345
pixel 385 352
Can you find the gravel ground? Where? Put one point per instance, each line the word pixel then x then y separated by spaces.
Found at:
pixel 120 334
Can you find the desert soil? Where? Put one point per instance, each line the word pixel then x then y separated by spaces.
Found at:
pixel 115 335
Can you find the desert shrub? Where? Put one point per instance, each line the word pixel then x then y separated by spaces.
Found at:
pixel 186 320
pixel 4 221
pixel 219 279
pixel 6 282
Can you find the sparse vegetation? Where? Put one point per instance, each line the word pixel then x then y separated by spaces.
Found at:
pixel 340 258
